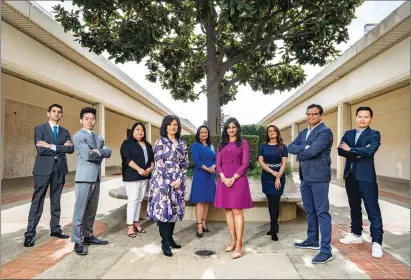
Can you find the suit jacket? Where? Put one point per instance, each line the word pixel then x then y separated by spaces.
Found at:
pixel 89 162
pixel 360 156
pixel 132 151
pixel 43 165
pixel 315 161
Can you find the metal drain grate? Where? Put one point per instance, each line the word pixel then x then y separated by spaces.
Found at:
pixel 204 253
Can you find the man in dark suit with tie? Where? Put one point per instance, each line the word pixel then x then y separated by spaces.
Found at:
pixel 91 151
pixel 313 147
pixel 52 142
pixel 359 146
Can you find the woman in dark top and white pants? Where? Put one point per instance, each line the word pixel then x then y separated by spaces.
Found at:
pixel 137 164
pixel 272 157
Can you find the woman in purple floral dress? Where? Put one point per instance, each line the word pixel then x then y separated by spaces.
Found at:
pixel 166 202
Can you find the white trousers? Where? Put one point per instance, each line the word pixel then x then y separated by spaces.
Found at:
pixel 135 193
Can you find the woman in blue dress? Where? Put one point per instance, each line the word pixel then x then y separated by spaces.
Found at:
pixel 203 186
pixel 272 157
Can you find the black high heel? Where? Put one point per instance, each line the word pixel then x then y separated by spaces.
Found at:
pixel 199 235
pixel 205 229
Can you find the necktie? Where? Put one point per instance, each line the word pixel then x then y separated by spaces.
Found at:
pixel 55 133
pixel 94 137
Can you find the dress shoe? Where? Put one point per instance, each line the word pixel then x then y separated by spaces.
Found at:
pixel 92 240
pixel 59 235
pixel 28 242
pixel 80 249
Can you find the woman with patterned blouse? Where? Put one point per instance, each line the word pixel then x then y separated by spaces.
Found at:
pixel 166 197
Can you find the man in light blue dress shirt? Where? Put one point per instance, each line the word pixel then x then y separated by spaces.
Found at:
pixel 359 146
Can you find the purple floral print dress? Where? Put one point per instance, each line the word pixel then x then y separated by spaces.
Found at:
pixel 166 204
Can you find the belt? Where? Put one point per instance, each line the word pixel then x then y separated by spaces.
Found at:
pixel 274 165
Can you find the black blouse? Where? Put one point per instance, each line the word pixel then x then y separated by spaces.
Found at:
pixel 132 151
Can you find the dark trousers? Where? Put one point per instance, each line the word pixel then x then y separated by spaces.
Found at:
pixel 41 183
pixel 274 210
pixel 316 205
pixel 368 192
pixel 166 232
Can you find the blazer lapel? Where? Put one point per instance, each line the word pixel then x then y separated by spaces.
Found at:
pixel 304 135
pixel 89 139
pixel 314 132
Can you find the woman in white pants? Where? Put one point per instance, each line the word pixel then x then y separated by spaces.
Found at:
pixel 137 164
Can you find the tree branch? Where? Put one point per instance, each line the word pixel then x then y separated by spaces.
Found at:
pixel 257 45
pixel 198 60
pixel 249 75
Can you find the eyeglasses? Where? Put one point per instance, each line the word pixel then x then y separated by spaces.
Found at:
pixel 312 114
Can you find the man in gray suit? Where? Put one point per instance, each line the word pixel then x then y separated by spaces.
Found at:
pixel 90 153
pixel 52 142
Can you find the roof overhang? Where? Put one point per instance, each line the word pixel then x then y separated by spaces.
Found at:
pixel 390 31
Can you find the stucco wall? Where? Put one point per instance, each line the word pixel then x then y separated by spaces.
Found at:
pixel 331 120
pixel 392 119
pixel 26 106
pixel 155 134
pixel 286 135
pixel 116 133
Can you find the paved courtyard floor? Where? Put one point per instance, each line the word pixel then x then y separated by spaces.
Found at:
pixel 141 258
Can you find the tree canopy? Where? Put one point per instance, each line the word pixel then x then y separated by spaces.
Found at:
pixel 214 44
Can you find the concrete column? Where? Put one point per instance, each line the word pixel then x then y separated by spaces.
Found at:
pixel 100 129
pixel 294 134
pixel 2 120
pixel 344 124
pixel 148 132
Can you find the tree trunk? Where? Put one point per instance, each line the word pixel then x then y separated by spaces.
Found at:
pixel 213 107
pixel 213 85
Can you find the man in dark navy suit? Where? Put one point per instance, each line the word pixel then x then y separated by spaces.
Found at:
pixel 52 143
pixel 359 146
pixel 313 147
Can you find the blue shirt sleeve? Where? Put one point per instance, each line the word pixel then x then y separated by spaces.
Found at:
pixel 285 151
pixel 260 150
pixel 195 155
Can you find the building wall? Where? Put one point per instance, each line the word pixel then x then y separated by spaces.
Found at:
pixel 116 133
pixel 331 120
pixel 392 119
pixel 389 68
pixel 28 57
pixel 26 106
pixel 155 134
pixel 286 135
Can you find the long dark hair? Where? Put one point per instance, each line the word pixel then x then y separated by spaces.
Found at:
pixel 208 140
pixel 225 137
pixel 131 136
pixel 166 121
pixel 279 138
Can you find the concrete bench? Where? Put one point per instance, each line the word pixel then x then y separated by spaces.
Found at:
pixel 288 203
